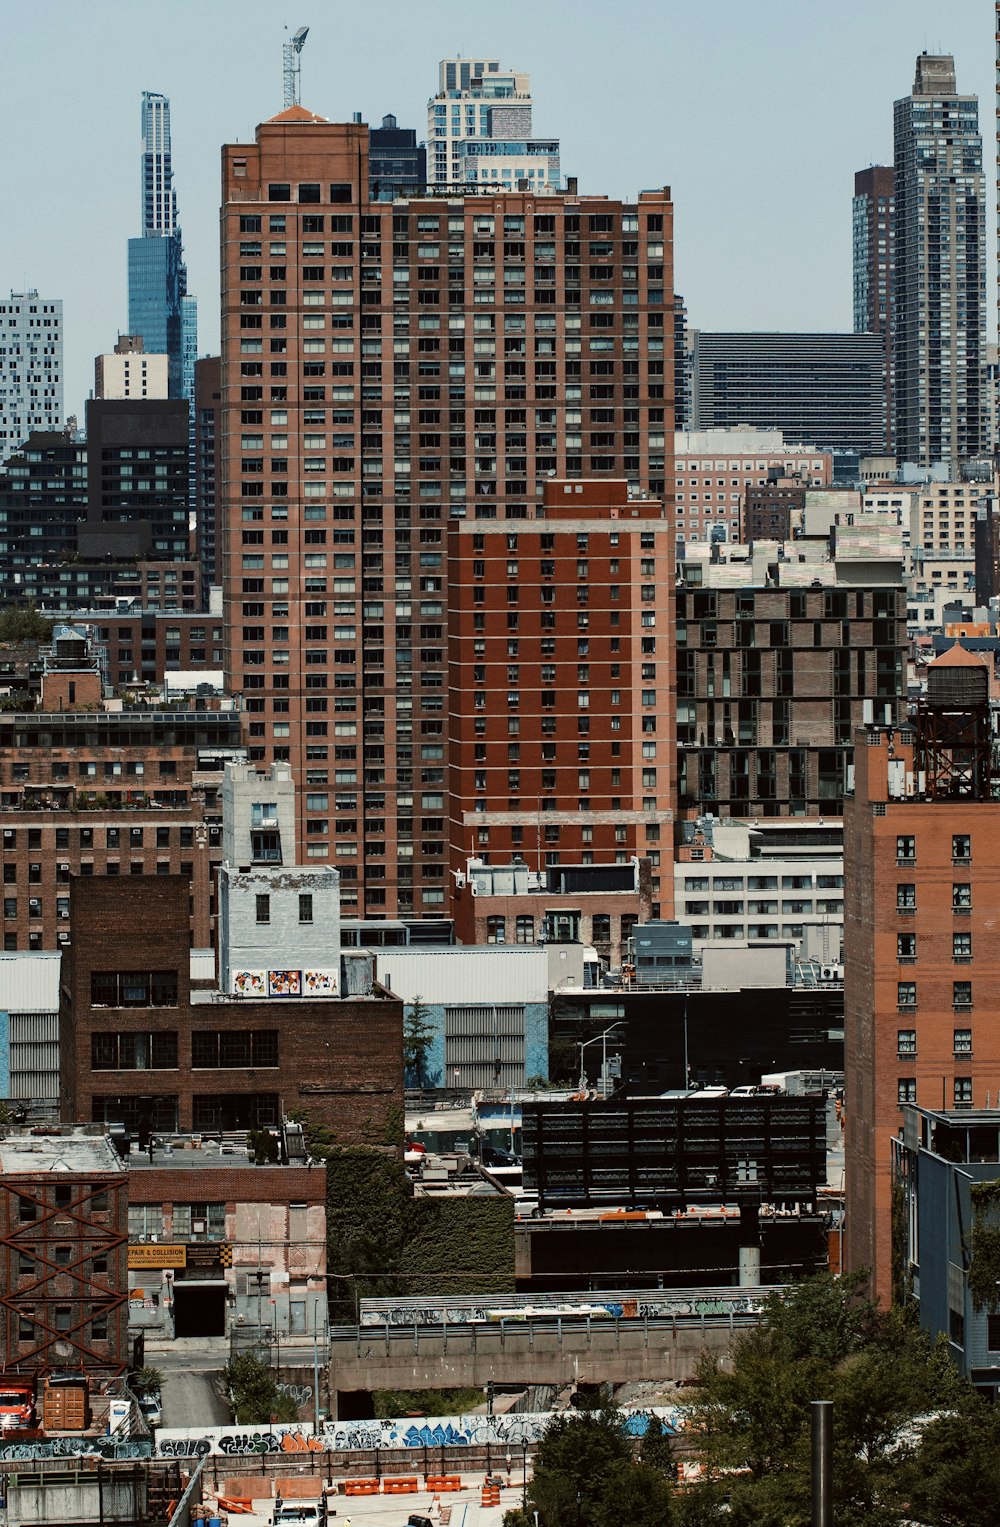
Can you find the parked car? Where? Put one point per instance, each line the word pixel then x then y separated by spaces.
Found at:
pixel 151 1409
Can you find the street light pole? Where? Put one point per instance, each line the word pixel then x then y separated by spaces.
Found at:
pixel 582 1044
pixel 316 1365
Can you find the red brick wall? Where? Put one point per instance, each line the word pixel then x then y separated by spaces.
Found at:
pixel 342 1060
pixel 228 1184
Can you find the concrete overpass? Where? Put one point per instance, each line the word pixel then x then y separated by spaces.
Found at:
pixel 558 1351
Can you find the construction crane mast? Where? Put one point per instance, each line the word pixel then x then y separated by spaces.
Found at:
pixel 291 50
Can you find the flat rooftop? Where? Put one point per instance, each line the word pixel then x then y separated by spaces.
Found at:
pixel 184 1156
pixel 34 1155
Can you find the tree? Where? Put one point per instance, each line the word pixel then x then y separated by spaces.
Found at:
pixel 954 1475
pixel 585 1475
pixel 751 1422
pixel 146 1381
pixel 419 1035
pixel 254 1392
pixel 19 624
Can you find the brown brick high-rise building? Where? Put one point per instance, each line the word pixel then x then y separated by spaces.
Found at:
pixel 388 368
pixel 922 882
pixel 560 701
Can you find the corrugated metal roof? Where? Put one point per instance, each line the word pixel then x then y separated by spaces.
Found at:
pixel 468 976
pixel 29 981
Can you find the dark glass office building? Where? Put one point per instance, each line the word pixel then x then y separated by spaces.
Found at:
pixel 397 163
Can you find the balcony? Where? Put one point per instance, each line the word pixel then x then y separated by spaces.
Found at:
pixel 265 847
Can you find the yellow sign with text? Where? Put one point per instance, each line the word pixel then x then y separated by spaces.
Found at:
pixel 149 1255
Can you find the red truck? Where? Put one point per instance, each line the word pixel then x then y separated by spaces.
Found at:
pixel 17 1404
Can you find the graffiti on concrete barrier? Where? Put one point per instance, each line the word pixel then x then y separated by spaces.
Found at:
pixel 659 1307
pixel 300 1393
pixel 515 1430
pixel 76 1447
pixel 230 1441
pixel 468 1430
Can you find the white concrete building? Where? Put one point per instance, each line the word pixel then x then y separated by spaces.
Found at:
pixel 31 368
pixel 131 373
pixel 479 129
pixel 279 923
pixel 779 881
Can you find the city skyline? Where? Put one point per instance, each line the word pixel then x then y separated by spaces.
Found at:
pixel 698 84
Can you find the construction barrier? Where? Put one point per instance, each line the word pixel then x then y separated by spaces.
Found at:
pixel 360 1486
pixel 491 1492
pixel 440 1482
pixel 399 1484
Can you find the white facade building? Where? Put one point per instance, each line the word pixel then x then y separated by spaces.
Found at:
pixel 479 129
pixel 279 923
pixel 131 374
pixel 31 368
pixel 772 883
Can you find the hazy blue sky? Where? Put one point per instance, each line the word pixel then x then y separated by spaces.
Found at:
pixel 757 116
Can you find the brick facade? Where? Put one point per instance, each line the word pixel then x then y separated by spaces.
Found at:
pixel 155 1055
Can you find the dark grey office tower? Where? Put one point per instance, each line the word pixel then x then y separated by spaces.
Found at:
pixel 939 295
pixel 826 390
pixel 397 163
pixel 873 249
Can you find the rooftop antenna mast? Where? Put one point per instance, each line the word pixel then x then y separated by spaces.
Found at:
pixel 291 50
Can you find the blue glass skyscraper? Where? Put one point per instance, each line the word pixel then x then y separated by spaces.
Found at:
pixel 159 308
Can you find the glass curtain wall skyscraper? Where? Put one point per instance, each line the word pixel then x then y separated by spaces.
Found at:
pixel 159 307
pixel 939 292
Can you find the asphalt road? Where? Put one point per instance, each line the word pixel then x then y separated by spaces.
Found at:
pixel 189 1398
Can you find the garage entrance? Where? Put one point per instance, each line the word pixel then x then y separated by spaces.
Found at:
pixel 200 1308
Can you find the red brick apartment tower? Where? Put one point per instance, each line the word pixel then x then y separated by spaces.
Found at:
pixel 561 697
pixel 388 368
pixel 922 960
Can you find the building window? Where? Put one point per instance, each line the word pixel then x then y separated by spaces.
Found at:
pixel 496 930
pixel 263 909
pixel 961 847
pixel 906 897
pixel 525 929
pixel 133 988
pixel 906 946
pixel 906 849
pixel 906 1089
pixel 963 1089
pixel 200 1221
pixel 961 947
pixel 133 1052
pixel 961 993
pixel 961 897
pixel 906 994
pixel 906 1042
pixel 963 1041
pixel 305 909
pixel 234 1049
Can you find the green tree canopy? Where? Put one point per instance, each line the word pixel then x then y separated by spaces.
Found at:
pixel 24 624
pixel 586 1475
pixel 822 1340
